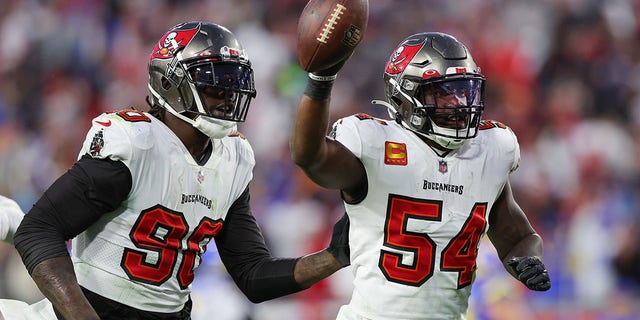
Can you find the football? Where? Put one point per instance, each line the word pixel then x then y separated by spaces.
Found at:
pixel 329 31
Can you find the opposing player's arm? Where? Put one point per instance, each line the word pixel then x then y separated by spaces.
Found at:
pixel 518 245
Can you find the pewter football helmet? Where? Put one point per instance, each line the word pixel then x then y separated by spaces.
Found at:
pixel 435 89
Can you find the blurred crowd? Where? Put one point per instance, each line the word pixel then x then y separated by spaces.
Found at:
pixel 563 74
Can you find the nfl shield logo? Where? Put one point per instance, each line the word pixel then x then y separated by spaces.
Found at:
pixel 442 166
pixel 200 176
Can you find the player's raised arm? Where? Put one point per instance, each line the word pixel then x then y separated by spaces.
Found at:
pixel 322 54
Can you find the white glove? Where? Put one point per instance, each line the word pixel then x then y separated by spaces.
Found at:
pixel 10 217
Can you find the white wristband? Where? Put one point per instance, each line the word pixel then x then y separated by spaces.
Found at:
pixel 322 78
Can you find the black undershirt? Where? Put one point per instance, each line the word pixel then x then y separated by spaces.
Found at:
pixel 94 187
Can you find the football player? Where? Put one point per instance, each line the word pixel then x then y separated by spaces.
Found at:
pixel 10 217
pixel 150 190
pixel 422 188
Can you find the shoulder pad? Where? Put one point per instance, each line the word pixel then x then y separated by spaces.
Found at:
pixel 503 138
pixel 116 134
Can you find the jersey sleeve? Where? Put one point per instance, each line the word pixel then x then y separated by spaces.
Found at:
pixel 513 149
pixel 346 132
pixel 116 135
pixel 247 160
pixel 10 217
pixel 107 138
pixel 504 143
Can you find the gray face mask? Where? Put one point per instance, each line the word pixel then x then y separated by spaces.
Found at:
pixel 214 128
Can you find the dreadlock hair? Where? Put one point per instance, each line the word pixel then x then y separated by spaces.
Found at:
pixel 155 110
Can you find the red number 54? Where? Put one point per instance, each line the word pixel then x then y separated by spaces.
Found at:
pixel 458 256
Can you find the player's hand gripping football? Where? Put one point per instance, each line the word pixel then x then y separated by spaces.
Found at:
pixel 532 272
pixel 328 33
pixel 333 70
pixel 339 245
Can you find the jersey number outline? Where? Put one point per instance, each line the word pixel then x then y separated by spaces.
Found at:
pixel 162 230
pixel 458 256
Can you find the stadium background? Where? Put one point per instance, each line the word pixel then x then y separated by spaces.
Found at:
pixel 563 74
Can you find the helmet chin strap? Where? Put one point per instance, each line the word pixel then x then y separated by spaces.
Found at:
pixel 210 126
pixel 446 142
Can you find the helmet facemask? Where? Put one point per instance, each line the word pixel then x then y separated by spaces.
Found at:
pixel 229 83
pixel 446 111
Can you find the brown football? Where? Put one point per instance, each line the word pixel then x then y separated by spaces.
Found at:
pixel 329 31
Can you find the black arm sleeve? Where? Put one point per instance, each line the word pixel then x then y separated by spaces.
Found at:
pixel 246 257
pixel 91 188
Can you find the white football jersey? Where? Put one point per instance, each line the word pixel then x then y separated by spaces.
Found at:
pixel 414 238
pixel 144 253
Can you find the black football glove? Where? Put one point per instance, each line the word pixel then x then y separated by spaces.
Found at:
pixel 339 245
pixel 532 272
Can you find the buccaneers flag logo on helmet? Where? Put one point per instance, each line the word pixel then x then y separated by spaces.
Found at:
pixel 401 57
pixel 171 42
